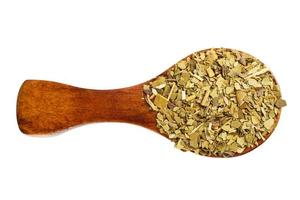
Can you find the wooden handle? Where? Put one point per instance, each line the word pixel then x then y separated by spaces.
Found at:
pixel 44 107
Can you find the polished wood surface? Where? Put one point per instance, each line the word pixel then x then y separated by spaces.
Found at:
pixel 45 107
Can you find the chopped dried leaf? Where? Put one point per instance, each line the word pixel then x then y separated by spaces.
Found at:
pixel 240 141
pixel 240 95
pixel 205 100
pixel 229 90
pixel 269 123
pixel 220 82
pixel 160 101
pixel 254 119
pixel 280 103
pixel 216 102
pixel 228 129
pixel 159 82
pixel 253 82
pixel 223 135
pixel 182 64
pixel 150 103
pixel 236 124
pixel 242 61
pixel 210 72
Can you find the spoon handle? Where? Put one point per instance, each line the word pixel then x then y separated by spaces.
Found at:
pixel 44 107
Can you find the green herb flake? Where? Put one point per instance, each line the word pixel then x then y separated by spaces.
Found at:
pixel 216 102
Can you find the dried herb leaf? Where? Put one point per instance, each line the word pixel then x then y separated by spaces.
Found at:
pixel 160 101
pixel 216 102
pixel 159 83
pixel 240 95
pixel 280 103
pixel 269 123
pixel 182 64
pixel 210 72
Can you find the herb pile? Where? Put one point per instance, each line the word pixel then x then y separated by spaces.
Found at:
pixel 216 102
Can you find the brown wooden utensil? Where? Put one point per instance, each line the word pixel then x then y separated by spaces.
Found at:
pixel 45 107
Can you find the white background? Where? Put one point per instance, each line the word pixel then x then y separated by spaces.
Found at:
pixel 111 44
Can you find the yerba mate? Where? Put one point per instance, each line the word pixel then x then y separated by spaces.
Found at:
pixel 216 102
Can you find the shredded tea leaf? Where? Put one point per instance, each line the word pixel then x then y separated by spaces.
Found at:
pixel 217 102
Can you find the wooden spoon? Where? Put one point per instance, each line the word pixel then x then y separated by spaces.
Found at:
pixel 45 107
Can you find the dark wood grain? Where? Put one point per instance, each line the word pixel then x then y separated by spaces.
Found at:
pixel 45 107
